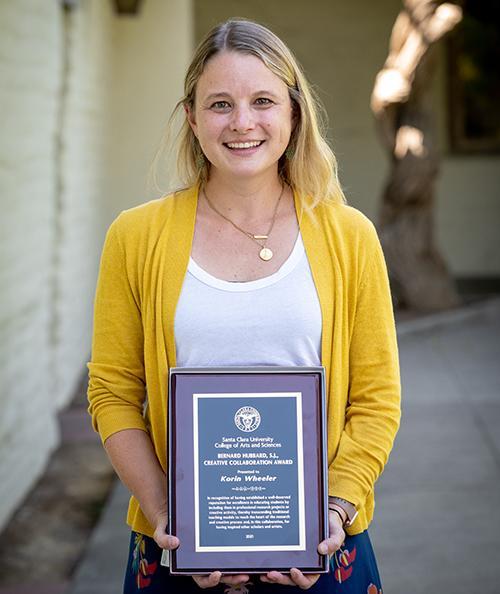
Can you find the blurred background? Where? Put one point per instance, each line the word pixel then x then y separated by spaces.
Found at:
pixel 412 92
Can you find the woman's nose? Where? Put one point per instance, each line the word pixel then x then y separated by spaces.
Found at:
pixel 242 119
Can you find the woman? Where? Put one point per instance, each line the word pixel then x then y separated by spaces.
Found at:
pixel 257 262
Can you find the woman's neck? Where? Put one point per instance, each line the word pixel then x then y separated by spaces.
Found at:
pixel 244 198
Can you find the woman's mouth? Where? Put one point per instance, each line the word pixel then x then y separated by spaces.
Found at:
pixel 248 144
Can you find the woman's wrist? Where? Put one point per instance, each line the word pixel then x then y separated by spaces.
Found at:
pixel 153 504
pixel 345 508
pixel 338 512
pixel 160 516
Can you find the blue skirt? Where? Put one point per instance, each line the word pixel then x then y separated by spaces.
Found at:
pixel 353 570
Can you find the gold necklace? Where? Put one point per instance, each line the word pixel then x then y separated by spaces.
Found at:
pixel 265 253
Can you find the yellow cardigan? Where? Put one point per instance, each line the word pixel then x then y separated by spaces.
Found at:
pixel 143 264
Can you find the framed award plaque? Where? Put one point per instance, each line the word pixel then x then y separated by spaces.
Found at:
pixel 247 469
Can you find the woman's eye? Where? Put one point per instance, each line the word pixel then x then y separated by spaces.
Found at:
pixel 220 105
pixel 263 101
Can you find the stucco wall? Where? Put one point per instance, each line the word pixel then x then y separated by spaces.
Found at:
pixel 30 59
pixel 151 54
pixel 82 144
pixel 342 45
pixel 51 150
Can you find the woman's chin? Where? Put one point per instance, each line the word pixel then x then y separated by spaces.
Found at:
pixel 245 170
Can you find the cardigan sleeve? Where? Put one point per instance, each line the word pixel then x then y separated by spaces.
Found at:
pixel 116 391
pixel 373 407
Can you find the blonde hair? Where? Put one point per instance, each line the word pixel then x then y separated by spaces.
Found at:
pixel 308 165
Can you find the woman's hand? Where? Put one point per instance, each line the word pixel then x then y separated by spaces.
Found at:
pixel 336 535
pixel 296 578
pixel 162 539
pixel 326 547
pixel 216 577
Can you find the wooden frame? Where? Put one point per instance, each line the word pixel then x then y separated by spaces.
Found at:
pixel 243 443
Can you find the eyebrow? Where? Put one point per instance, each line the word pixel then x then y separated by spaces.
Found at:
pixel 225 94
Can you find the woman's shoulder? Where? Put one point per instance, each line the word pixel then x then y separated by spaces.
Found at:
pixel 152 215
pixel 347 220
pixel 347 234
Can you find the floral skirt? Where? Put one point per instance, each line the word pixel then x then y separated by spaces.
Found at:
pixel 353 570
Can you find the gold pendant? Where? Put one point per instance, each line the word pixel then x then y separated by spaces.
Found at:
pixel 265 254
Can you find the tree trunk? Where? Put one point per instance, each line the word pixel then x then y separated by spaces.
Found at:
pixel 401 102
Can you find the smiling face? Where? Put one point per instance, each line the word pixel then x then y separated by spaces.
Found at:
pixel 242 116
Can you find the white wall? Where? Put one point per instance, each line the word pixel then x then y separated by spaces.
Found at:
pixel 30 60
pixel 151 54
pixel 84 134
pixel 51 152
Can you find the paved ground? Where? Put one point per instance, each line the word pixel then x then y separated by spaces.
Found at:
pixel 48 534
pixel 437 524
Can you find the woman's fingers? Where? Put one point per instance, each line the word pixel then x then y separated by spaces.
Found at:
pixel 303 581
pixel 165 541
pixel 275 577
pixel 162 539
pixel 216 577
pixel 235 580
pixel 296 578
pixel 331 544
pixel 208 581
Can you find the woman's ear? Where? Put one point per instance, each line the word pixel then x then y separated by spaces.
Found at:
pixel 190 118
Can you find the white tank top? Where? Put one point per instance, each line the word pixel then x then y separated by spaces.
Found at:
pixel 275 320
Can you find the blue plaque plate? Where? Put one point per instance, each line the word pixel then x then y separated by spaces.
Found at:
pixel 247 469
